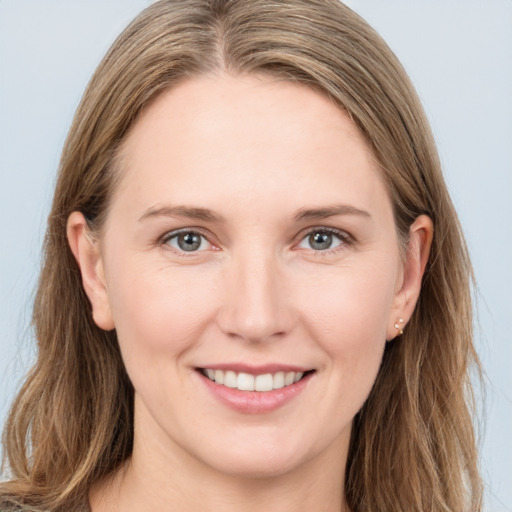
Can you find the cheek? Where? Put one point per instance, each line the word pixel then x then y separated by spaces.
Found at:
pixel 348 311
pixel 159 311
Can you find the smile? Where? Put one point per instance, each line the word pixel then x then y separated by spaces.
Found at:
pixel 247 382
pixel 255 390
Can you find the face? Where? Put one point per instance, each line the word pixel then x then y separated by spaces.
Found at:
pixel 250 266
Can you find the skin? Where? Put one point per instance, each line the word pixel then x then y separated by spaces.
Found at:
pixel 255 152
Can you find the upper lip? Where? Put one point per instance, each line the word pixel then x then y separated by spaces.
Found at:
pixel 256 369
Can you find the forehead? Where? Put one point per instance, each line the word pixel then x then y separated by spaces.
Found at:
pixel 221 137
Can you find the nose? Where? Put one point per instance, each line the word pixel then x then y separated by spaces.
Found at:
pixel 256 306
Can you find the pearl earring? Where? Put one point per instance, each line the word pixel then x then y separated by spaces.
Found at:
pixel 399 326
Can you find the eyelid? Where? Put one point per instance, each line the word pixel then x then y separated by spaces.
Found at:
pixel 346 238
pixel 164 239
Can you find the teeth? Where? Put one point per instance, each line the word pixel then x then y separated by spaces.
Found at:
pixel 245 382
pixel 248 382
pixel 279 380
pixel 264 382
pixel 230 379
pixel 219 376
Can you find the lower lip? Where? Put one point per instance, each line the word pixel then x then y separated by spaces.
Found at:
pixel 255 402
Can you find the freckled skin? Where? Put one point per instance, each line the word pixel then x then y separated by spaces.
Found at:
pixel 254 151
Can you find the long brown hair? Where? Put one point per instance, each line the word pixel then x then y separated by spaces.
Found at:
pixel 412 445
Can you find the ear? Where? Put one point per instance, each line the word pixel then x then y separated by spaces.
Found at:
pixel 87 254
pixel 416 257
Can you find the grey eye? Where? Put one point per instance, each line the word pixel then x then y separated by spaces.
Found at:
pixel 321 240
pixel 187 241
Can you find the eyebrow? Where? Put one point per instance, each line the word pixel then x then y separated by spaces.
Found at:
pixel 182 211
pixel 329 211
pixel 205 214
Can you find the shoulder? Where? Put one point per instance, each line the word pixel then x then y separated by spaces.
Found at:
pixel 11 507
pixel 11 504
pixel 8 506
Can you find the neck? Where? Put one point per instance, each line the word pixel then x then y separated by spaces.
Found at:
pixel 162 475
pixel 139 486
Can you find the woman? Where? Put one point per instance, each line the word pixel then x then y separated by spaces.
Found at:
pixel 256 291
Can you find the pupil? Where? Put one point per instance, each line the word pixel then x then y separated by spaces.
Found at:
pixel 320 241
pixel 189 241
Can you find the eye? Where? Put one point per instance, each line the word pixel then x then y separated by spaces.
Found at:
pixel 323 240
pixel 187 241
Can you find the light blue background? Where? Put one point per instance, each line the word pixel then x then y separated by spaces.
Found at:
pixel 459 55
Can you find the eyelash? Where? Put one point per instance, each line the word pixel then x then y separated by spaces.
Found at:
pixel 165 239
pixel 344 238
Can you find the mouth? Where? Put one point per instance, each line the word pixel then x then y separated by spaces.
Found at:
pixel 262 383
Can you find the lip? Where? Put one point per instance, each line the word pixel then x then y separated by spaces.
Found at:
pixel 255 402
pixel 256 370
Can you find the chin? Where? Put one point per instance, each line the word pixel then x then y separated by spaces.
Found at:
pixel 260 466
pixel 263 455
